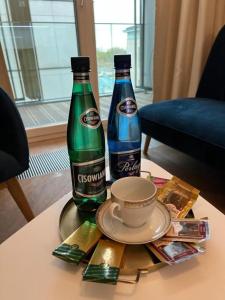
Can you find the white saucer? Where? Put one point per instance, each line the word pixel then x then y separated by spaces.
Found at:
pixel 157 225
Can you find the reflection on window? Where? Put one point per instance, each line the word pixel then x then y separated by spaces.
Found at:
pixel 38 38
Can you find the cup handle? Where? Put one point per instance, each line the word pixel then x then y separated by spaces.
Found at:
pixel 112 208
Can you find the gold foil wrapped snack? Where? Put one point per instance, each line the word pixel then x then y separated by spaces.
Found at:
pixel 104 265
pixel 179 197
pixel 79 243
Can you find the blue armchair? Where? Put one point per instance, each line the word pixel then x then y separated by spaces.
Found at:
pixel 196 125
pixel 14 153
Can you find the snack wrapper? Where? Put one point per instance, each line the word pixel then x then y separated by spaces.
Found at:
pixel 104 265
pixel 79 243
pixel 179 197
pixel 174 252
pixel 159 182
pixel 188 230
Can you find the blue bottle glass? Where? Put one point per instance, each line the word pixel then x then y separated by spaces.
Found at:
pixel 124 131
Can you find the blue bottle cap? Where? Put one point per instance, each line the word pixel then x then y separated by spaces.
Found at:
pixel 122 61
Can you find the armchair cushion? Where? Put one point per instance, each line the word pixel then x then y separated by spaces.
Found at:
pixel 201 119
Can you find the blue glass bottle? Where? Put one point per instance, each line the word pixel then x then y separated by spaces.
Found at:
pixel 124 132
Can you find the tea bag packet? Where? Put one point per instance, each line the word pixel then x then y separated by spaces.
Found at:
pixel 174 252
pixel 179 197
pixel 188 230
pixel 104 265
pixel 79 243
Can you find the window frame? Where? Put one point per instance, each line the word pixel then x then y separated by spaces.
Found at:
pixel 84 20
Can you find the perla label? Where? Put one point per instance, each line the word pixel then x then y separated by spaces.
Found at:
pixel 89 178
pixel 123 164
pixel 90 118
pixel 127 107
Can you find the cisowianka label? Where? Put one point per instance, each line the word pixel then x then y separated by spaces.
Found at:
pixel 90 118
pixel 127 107
pixel 89 178
pixel 125 163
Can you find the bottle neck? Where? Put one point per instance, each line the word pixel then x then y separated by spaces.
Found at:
pixel 81 83
pixel 122 74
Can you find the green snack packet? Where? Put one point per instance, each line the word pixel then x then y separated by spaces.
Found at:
pixel 79 243
pixel 104 265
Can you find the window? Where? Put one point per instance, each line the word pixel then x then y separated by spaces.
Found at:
pixel 38 38
pixel 117 33
pixel 124 27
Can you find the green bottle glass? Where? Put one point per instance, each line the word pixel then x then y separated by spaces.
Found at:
pixel 85 141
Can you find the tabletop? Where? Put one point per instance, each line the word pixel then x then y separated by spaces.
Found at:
pixel 29 271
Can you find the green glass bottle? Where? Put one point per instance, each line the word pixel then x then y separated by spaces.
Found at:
pixel 86 142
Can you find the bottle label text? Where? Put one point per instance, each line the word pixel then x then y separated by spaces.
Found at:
pixel 89 178
pixel 124 164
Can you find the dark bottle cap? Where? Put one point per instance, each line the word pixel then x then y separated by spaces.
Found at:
pixel 80 64
pixel 122 61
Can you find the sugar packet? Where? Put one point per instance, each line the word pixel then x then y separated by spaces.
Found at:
pixel 179 197
pixel 174 252
pixel 188 230
pixel 104 265
pixel 79 243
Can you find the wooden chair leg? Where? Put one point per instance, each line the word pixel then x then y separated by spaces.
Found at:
pixel 147 141
pixel 3 186
pixel 18 195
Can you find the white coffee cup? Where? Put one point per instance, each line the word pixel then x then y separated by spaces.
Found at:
pixel 133 200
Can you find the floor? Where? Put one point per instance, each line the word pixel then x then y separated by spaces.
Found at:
pixel 57 112
pixel 42 191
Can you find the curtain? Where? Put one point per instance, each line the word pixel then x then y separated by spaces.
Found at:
pixel 184 33
pixel 4 78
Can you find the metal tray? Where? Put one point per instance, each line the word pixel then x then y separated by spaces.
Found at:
pixel 137 259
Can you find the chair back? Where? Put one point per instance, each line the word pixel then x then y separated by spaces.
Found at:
pixel 212 83
pixel 12 132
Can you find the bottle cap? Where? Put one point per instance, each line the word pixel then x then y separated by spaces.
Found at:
pixel 80 64
pixel 122 61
